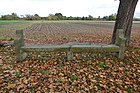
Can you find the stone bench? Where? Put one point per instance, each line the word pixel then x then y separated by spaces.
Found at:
pixel 69 48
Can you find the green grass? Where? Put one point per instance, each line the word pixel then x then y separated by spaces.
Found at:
pixel 101 64
pixel 17 74
pixel 8 28
pixel 6 22
pixel 73 77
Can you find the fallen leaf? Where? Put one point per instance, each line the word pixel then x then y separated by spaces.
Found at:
pixel 10 85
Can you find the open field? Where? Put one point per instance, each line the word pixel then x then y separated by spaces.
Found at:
pixel 8 28
pixel 51 73
pixel 63 32
pixel 66 31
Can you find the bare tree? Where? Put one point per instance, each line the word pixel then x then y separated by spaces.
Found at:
pixel 124 18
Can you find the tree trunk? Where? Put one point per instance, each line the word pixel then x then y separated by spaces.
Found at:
pixel 124 19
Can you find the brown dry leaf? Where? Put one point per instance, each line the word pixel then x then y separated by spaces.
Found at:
pixel 51 80
pixel 25 81
pixel 38 92
pixel 33 84
pixel 51 86
pixel 120 68
pixel 46 65
pixel 20 87
pixel 125 92
pixel 61 74
pixel 81 70
pixel 139 79
pixel 85 69
pixel 104 82
pixel 103 90
pixel 1 61
pixel 128 83
pixel 119 81
pixel 66 88
pixel 95 87
pixel 90 76
pixel 11 85
pixel 94 81
pixel 119 91
pixel 111 80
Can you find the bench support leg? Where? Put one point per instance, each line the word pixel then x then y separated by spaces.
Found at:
pixel 21 56
pixel 19 42
pixel 120 41
pixel 121 52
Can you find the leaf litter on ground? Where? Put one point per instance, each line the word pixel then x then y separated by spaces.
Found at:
pixel 86 73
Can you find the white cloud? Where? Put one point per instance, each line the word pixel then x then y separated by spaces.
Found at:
pixel 66 7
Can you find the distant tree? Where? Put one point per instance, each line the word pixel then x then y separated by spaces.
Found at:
pixel 52 17
pixel 78 18
pixel 13 16
pixel 70 18
pixel 112 17
pixel 21 16
pixel 36 17
pixel 86 18
pixel 28 17
pixel 64 17
pixel 124 19
pixel 7 17
pixel 83 18
pixel 43 18
pixel 32 17
pixel 99 17
pixel 105 18
pixel 90 17
pixel 3 17
pixel 59 16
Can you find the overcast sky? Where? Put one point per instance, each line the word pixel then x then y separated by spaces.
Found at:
pixel 66 7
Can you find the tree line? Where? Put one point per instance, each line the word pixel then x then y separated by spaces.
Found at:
pixel 56 16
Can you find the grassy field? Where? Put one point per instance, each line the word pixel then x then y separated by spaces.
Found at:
pixel 51 73
pixel 6 22
pixel 8 28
